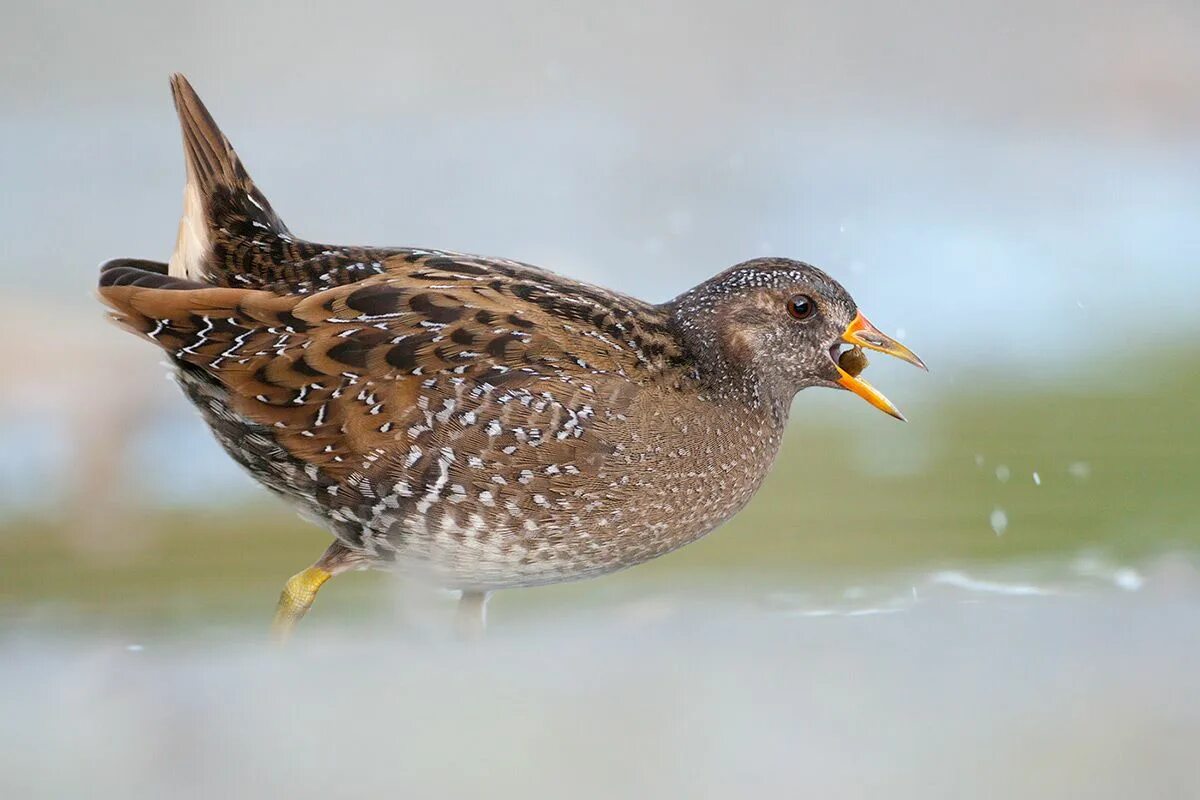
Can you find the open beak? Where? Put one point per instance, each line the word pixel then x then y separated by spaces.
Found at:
pixel 862 333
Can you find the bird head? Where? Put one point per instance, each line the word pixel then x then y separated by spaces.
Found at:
pixel 774 326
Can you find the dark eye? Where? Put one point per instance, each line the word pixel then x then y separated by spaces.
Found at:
pixel 801 306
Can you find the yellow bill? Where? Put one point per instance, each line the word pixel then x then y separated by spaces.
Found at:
pixel 862 333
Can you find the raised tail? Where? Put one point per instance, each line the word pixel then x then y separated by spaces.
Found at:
pixel 219 193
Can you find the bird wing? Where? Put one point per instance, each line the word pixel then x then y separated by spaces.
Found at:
pixel 387 372
pixel 432 382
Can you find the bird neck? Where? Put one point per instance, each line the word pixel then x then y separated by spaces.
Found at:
pixel 720 378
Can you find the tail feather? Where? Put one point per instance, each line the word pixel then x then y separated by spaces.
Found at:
pixel 189 319
pixel 219 192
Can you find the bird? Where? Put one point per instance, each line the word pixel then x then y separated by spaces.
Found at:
pixel 477 422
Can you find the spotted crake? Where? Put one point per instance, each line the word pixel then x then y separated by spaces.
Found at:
pixel 476 421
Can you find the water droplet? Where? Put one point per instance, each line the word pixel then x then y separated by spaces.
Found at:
pixel 1080 470
pixel 979 459
pixel 1037 479
pixel 1128 579
pixel 1003 473
pixel 999 521
pixel 134 648
pixel 901 333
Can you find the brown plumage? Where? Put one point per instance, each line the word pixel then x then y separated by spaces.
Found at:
pixel 481 421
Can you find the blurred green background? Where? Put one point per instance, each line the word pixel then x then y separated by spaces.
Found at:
pixel 983 477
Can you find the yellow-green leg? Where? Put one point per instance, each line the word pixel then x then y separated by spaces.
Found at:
pixel 301 589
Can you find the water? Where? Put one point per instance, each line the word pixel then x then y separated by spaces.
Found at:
pixel 929 690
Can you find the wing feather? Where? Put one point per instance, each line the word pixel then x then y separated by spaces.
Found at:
pixel 405 385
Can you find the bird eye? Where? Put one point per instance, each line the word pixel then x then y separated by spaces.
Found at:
pixel 801 306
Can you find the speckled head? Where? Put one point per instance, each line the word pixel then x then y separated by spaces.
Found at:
pixel 765 329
